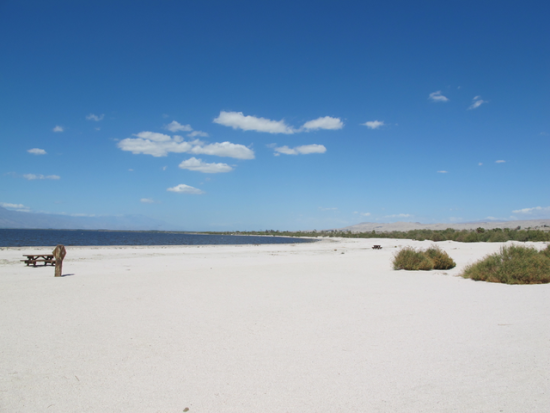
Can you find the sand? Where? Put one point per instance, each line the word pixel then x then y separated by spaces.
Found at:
pixel 323 327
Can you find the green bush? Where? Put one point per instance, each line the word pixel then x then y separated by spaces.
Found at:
pixel 498 236
pixel 512 265
pixel 440 259
pixel 434 258
pixel 410 259
pixel 546 251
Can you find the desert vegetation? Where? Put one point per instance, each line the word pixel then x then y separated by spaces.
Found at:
pixel 449 234
pixel 514 264
pixel 434 258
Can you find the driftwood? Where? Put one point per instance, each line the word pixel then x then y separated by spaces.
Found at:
pixel 59 253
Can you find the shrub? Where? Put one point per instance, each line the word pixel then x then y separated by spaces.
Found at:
pixel 498 236
pixel 409 258
pixel 512 265
pixel 440 259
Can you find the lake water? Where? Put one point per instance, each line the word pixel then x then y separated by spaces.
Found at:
pixel 50 237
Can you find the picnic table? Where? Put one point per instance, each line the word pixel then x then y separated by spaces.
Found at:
pixel 377 247
pixel 34 258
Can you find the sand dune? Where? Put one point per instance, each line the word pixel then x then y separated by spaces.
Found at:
pixel 321 327
pixel 542 224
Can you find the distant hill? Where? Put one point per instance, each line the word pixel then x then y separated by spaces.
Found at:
pixel 543 224
pixel 17 219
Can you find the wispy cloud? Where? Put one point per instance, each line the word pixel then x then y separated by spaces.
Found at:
pixel 194 164
pixel 438 97
pixel 147 201
pixel 300 150
pixel 31 177
pixel 237 120
pixel 374 124
pixel 58 129
pixel 197 133
pixel 158 144
pixel 363 214
pixel 477 102
pixel 328 209
pixel 95 118
pixel 500 161
pixel 326 122
pixel 15 207
pixel 223 149
pixel 442 172
pixel 185 189
pixel 533 211
pixel 37 151
pixel 399 216
pixel 178 127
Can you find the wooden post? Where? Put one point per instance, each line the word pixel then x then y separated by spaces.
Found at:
pixel 59 253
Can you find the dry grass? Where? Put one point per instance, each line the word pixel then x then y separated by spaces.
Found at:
pixel 412 259
pixel 440 258
pixel 514 264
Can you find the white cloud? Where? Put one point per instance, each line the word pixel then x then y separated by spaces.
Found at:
pixel 477 102
pixel 178 127
pixel 16 207
pixel 36 151
pixel 237 120
pixel 480 164
pixel 147 201
pixel 500 161
pixel 533 211
pixel 438 97
pixel 95 118
pixel 227 149
pixel 301 150
pixel 364 214
pixel 442 172
pixel 399 216
pixel 373 124
pixel 185 189
pixel 58 129
pixel 197 133
pixel 158 144
pixel 154 136
pixel 326 122
pixel 194 164
pixel 328 209
pixel 31 177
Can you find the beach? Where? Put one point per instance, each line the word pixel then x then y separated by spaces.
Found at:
pixel 325 326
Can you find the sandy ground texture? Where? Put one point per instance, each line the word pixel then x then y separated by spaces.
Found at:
pixel 321 327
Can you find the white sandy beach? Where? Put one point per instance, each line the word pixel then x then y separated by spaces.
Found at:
pixel 322 327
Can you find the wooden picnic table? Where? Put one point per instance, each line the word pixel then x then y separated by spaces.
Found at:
pixel 34 258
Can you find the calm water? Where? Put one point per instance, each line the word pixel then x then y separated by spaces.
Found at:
pixel 49 237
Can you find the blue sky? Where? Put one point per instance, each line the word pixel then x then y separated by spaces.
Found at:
pixel 276 115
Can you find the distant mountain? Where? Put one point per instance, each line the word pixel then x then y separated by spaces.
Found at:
pixel 543 224
pixel 17 219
